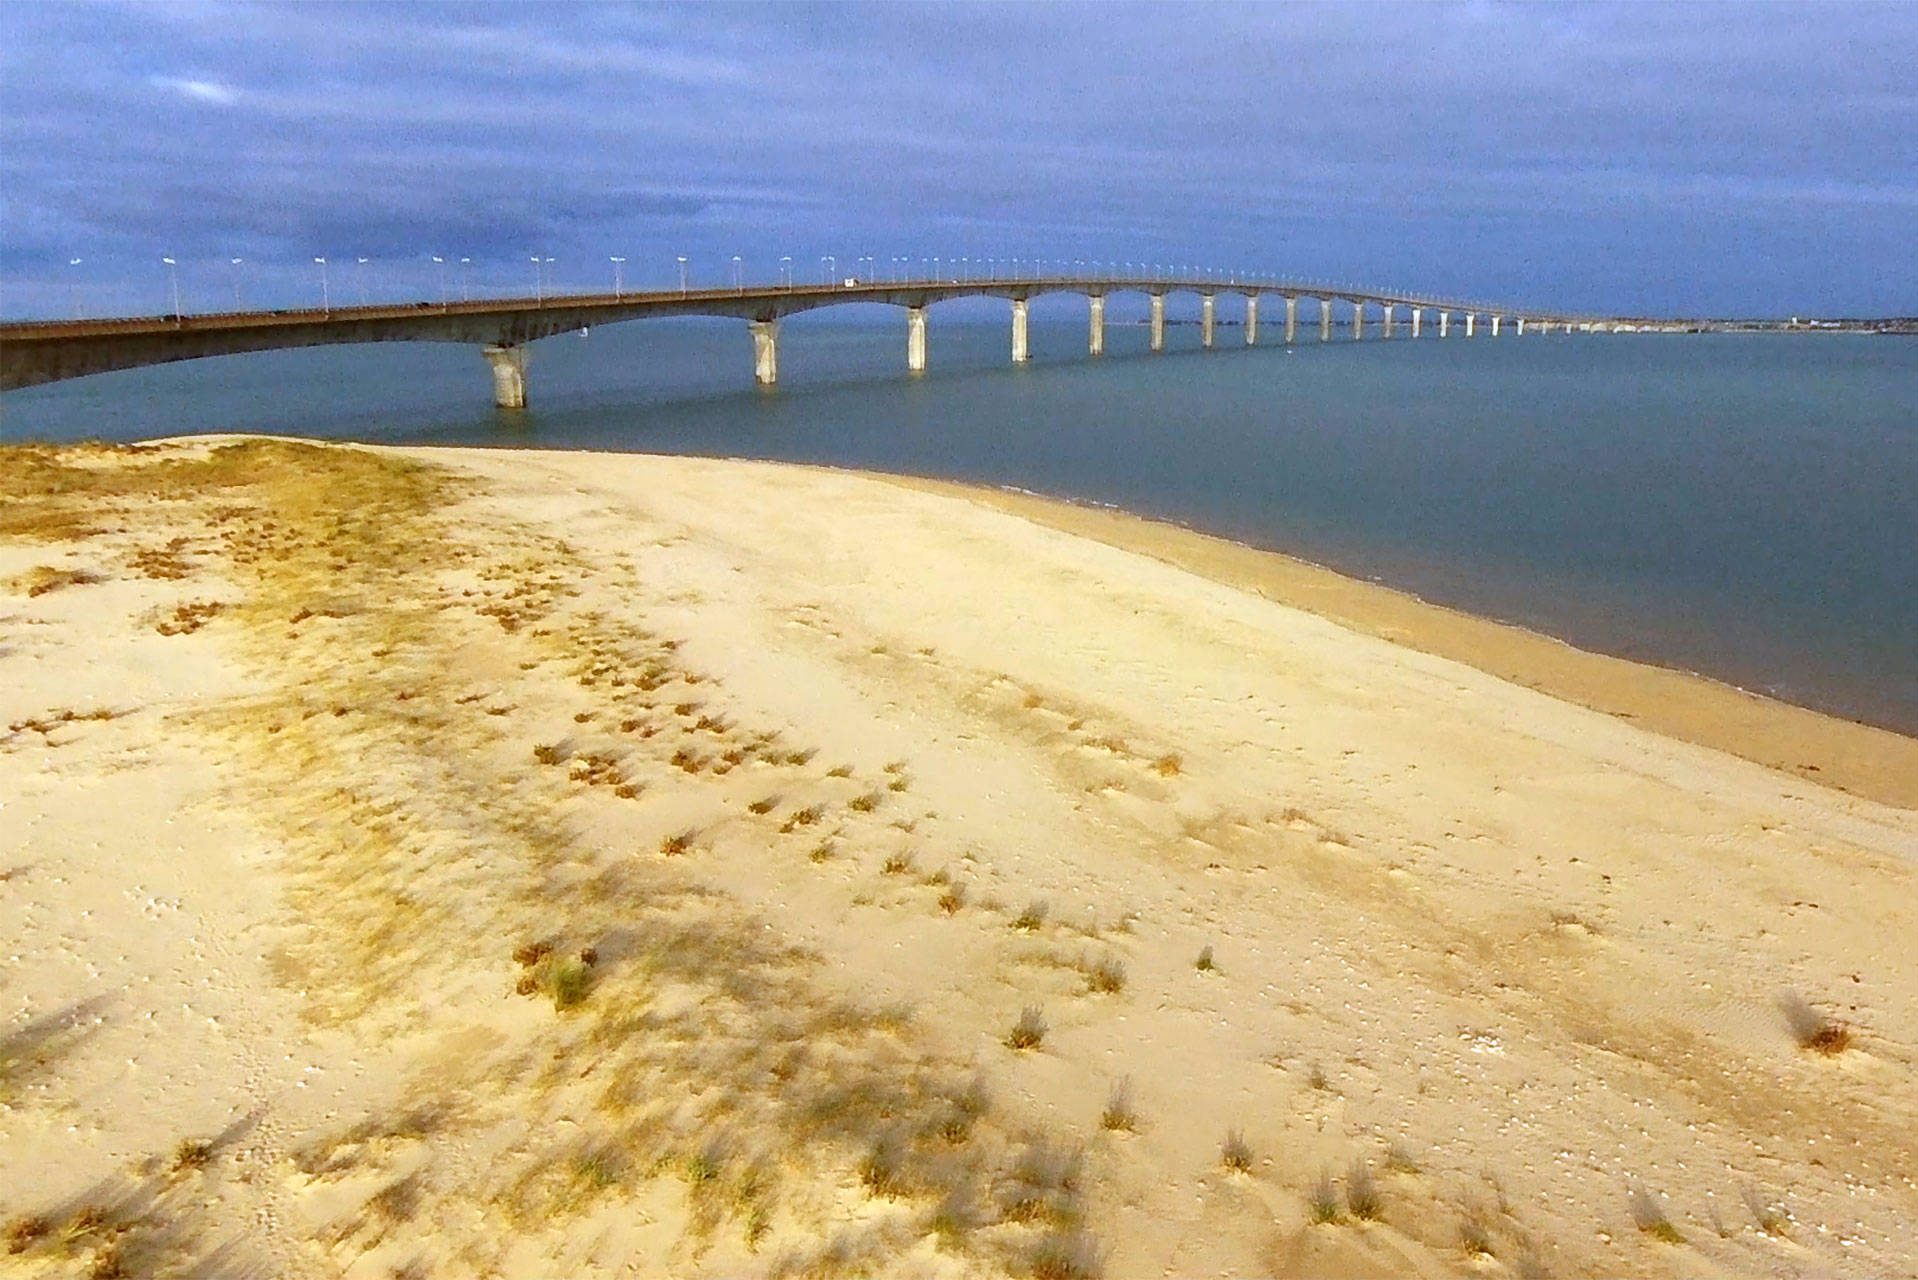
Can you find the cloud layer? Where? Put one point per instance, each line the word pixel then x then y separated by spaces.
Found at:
pixel 1672 158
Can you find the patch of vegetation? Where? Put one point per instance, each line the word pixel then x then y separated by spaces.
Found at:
pixel 953 900
pixel 1362 1193
pixel 866 803
pixel 1029 1030
pixel 1064 1256
pixel 899 864
pixel 1235 1153
pixel 1168 766
pixel 1648 1215
pixel 763 807
pixel 1119 1115
pixel 1769 1217
pixel 1205 963
pixel 803 817
pixel 1033 918
pixel 1815 1031
pixel 1324 1204
pixel 1107 975
pixel 677 843
pixel 192 1153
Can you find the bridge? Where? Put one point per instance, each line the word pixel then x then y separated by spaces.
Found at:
pixel 36 352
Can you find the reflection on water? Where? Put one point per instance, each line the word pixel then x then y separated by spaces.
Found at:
pixel 1739 505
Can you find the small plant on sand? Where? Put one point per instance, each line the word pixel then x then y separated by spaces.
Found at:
pixel 1107 975
pixel 884 1170
pixel 1325 1200
pixel 1318 1079
pixel 1814 1031
pixel 1649 1216
pixel 598 1169
pixel 192 1153
pixel 676 844
pixel 1235 1153
pixel 1064 1256
pixel 953 900
pixel 1770 1218
pixel 803 818
pixel 840 771
pixel 1399 1159
pixel 821 852
pixel 1474 1236
pixel 1362 1193
pixel 865 803
pixel 547 753
pixel 23 1233
pixel 1168 766
pixel 898 864
pixel 1120 1116
pixel 1205 963
pixel 956 1125
pixel 764 806
pixel 1029 1030
pixel 531 953
pixel 569 981
pixel 1033 918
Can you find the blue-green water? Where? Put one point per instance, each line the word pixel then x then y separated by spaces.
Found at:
pixel 1744 506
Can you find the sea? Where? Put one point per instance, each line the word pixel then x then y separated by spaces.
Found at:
pixel 1743 506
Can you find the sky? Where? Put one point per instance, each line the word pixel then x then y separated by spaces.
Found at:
pixel 1709 159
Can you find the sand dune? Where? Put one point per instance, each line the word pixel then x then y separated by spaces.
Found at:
pixel 468 862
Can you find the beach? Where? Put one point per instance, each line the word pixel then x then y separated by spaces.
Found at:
pixel 446 861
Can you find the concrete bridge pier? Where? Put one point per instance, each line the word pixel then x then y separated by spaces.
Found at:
pixel 1251 319
pixel 1158 322
pixel 915 339
pixel 1386 328
pixel 1291 320
pixel 1020 352
pixel 765 351
pixel 1418 314
pixel 1096 343
pixel 1471 321
pixel 509 375
pixel 1495 322
pixel 1445 324
pixel 1358 319
pixel 1205 319
pixel 1521 326
pixel 1325 319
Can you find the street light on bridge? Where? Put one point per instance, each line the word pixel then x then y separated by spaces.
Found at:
pixel 465 278
pixel 440 262
pixel 237 263
pixel 619 277
pixel 326 301
pixel 75 284
pixel 682 273
pixel 173 274
pixel 359 271
pixel 739 278
pixel 786 270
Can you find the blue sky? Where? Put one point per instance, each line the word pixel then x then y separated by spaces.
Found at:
pixel 1641 158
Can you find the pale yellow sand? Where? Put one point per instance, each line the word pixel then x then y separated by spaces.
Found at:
pixel 828 779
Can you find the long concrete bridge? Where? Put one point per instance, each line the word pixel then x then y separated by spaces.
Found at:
pixel 47 351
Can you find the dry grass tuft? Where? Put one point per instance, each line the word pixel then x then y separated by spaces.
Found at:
pixel 1474 1236
pixel 24 1233
pixel 953 900
pixel 1168 766
pixel 1205 963
pixel 1033 918
pixel 899 864
pixel 1029 1030
pixel 1815 1031
pixel 803 818
pixel 1119 1115
pixel 1648 1215
pixel 192 1153
pixel 1107 976
pixel 1235 1153
pixel 674 845
pixel 866 803
pixel 1362 1193
pixel 1769 1217
pixel 765 806
pixel 1325 1200
pixel 1070 1255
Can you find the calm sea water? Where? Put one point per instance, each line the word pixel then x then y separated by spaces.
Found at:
pixel 1743 506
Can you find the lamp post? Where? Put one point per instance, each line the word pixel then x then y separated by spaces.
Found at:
pixel 359 270
pixel 440 262
pixel 74 283
pixel 326 300
pixel 619 277
pixel 682 273
pixel 465 278
pixel 173 274
pixel 237 263
pixel 739 275
pixel 786 270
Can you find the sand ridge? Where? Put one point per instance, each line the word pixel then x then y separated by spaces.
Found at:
pixel 684 866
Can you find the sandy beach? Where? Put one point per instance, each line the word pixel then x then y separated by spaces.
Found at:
pixel 458 862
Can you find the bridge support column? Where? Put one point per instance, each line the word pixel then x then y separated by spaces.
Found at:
pixel 765 351
pixel 1386 328
pixel 1291 320
pixel 1251 319
pixel 915 339
pixel 1158 322
pixel 1471 322
pixel 1521 326
pixel 1020 352
pixel 1418 314
pixel 1358 319
pixel 1096 338
pixel 1495 322
pixel 1205 319
pixel 509 375
pixel 1445 324
pixel 1325 319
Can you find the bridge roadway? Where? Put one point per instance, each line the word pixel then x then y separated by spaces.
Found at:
pixel 48 351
